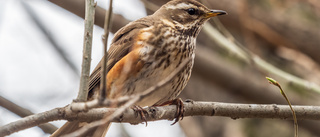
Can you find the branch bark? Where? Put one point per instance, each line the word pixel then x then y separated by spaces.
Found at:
pixel 87 47
pixel 234 111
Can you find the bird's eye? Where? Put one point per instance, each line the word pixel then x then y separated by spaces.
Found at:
pixel 191 11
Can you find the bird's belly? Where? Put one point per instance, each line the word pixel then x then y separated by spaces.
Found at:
pixel 151 77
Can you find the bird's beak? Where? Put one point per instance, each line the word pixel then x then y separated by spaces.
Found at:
pixel 214 13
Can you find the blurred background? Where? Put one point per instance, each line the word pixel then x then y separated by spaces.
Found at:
pixel 41 50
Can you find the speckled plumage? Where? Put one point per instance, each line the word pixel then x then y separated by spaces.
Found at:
pixel 162 42
pixel 147 50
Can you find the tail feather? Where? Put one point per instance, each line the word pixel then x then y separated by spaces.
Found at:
pixel 70 127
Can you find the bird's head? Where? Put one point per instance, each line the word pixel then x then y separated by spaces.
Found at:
pixel 186 14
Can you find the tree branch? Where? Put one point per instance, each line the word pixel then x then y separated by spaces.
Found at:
pixel 231 110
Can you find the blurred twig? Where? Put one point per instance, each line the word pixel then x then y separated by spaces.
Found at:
pixel 315 4
pixel 150 6
pixel 257 61
pixel 221 40
pixel 76 7
pixel 22 112
pixel 87 47
pixel 294 28
pixel 55 45
pixel 104 71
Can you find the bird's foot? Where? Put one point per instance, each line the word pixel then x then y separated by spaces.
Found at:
pixel 142 112
pixel 180 108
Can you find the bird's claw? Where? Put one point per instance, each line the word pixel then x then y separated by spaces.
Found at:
pixel 142 112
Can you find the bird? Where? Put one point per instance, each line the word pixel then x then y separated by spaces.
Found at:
pixel 146 51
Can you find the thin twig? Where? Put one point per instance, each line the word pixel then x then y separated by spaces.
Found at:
pixel 274 82
pixel 87 47
pixel 104 72
pixel 45 31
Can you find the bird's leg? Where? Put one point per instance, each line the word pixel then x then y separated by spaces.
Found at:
pixel 180 108
pixel 142 112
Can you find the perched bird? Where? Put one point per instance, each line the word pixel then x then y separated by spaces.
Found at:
pixel 146 51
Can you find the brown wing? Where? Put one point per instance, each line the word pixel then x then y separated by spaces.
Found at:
pixel 120 46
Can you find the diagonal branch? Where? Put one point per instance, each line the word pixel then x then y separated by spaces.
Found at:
pixel 257 61
pixel 76 7
pixel 31 121
pixel 44 30
pixel 22 112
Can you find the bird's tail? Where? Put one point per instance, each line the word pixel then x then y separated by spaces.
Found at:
pixel 70 127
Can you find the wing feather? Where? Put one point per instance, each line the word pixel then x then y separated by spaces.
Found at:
pixel 120 47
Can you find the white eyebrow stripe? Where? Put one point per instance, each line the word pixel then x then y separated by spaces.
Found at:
pixel 180 6
pixel 167 22
pixel 202 9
